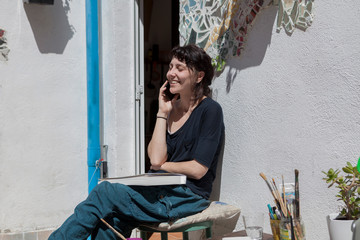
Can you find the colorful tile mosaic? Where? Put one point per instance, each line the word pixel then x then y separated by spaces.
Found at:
pixel 221 26
pixel 218 26
pixel 294 14
pixel 4 50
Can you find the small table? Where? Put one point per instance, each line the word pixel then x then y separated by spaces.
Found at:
pixel 242 233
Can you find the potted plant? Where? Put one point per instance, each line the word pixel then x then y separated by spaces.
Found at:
pixel 348 183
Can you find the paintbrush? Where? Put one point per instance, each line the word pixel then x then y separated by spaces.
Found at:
pixel 277 203
pixel 297 197
pixel 277 193
pixel 113 229
pixel 292 228
pixel 283 189
pixel 268 184
pixel 274 193
pixel 273 180
pixel 276 190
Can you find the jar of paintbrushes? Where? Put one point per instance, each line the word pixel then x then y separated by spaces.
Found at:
pixel 285 219
pixel 292 229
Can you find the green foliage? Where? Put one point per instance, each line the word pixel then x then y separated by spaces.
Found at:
pixel 349 192
pixel 218 63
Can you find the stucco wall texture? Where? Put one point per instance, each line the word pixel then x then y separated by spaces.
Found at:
pixel 42 115
pixel 290 102
pixel 43 108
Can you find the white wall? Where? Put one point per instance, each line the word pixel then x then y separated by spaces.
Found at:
pixel 43 108
pixel 292 102
pixel 42 114
pixel 289 102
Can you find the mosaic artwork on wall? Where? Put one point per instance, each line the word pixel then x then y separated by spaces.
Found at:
pixel 294 14
pixel 220 27
pixel 4 50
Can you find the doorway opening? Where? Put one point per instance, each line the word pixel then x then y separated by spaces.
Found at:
pixel 161 22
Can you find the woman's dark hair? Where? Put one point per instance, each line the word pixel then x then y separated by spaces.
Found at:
pixel 197 60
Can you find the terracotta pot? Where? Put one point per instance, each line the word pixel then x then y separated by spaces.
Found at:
pixel 339 229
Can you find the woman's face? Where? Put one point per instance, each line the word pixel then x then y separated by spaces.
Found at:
pixel 181 78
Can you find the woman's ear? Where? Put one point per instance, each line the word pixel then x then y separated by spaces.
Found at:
pixel 200 76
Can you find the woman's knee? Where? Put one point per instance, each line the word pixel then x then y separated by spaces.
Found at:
pixel 106 189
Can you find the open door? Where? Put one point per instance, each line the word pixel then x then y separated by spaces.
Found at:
pixel 153 34
pixel 122 52
pixel 161 21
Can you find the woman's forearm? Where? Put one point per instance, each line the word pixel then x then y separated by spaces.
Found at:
pixel 157 148
pixel 192 169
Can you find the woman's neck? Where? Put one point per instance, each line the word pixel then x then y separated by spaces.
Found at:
pixel 186 105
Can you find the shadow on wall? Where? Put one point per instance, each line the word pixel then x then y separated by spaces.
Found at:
pixel 259 41
pixel 50 26
pixel 215 193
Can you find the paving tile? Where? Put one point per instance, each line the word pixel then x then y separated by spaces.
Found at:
pixel 171 236
pixel 4 237
pixel 44 235
pixel 12 236
pixel 35 235
pixel 30 236
pixel 175 236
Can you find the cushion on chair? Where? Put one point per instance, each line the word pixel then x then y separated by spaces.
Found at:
pixel 223 216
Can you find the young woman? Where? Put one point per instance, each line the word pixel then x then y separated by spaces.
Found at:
pixel 187 139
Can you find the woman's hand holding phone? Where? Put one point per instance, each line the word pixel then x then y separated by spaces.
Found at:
pixel 166 98
pixel 167 92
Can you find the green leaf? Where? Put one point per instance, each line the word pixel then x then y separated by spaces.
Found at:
pixel 343 212
pixel 347 170
pixel 342 179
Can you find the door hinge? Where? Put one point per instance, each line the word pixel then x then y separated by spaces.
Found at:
pixel 104 166
pixel 139 92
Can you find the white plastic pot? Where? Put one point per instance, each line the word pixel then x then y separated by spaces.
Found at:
pixel 339 229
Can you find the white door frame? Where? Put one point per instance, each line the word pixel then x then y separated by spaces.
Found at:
pixel 139 87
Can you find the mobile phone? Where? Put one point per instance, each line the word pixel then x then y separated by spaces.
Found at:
pixel 167 92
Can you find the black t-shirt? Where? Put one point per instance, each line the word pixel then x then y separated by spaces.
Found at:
pixel 200 138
